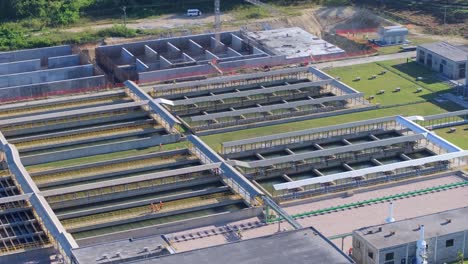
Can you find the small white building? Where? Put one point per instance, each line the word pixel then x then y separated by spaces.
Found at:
pixel 392 35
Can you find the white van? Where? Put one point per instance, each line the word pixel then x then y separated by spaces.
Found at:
pixel 193 12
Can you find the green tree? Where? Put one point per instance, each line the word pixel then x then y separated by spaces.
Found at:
pixel 11 36
pixel 460 257
pixel 53 12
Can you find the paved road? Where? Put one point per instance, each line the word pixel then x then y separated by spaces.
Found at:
pixel 350 62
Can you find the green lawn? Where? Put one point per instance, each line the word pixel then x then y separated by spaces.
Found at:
pixel 399 74
pixel 387 82
pixel 459 137
pixel 413 70
pixel 425 108
pixel 395 49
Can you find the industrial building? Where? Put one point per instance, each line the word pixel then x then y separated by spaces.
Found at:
pixel 94 174
pixel 298 246
pixel 203 55
pixel 293 42
pixel 163 59
pixel 392 35
pixel 315 161
pixel 20 228
pixel 42 72
pixel 250 100
pixel 104 200
pixel 444 58
pixel 90 200
pixel 435 238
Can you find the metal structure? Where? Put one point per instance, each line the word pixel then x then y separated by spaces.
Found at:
pixel 342 156
pixel 238 182
pixel 227 103
pixel 217 22
pixel 40 214
pixel 442 120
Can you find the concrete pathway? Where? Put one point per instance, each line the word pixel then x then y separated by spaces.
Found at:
pixel 349 62
pixel 344 221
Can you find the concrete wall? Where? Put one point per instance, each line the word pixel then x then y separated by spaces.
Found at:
pixel 113 161
pixel 175 73
pixel 23 92
pixel 73 124
pixel 119 173
pixel 450 69
pixel 20 66
pixel 92 140
pixel 207 69
pixel 152 216
pixel 143 202
pixel 134 192
pixel 64 61
pixel 255 62
pixel 99 149
pixel 79 130
pixel 31 54
pixel 437 251
pixel 221 218
pixel 172 49
pixel 46 76
pixel 282 121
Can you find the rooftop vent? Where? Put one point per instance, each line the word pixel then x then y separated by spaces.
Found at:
pixel 447 221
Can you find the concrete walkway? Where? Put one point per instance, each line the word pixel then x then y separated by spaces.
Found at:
pixel 349 62
pixel 345 221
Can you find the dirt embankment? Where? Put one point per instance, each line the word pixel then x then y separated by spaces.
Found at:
pixel 348 17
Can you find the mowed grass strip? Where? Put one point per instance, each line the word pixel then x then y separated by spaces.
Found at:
pixel 459 137
pixel 412 70
pixel 425 108
pixel 387 82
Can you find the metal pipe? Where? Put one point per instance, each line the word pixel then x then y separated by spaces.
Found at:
pixel 390 218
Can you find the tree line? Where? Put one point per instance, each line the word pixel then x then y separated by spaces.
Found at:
pixel 65 12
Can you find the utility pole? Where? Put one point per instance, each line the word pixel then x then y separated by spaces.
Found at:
pixel 124 9
pixel 445 16
pixel 217 23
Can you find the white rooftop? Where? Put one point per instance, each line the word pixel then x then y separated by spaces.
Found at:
pixel 293 42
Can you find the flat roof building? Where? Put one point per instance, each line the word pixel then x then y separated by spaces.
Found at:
pixel 294 42
pixel 445 58
pixel 392 35
pixel 445 234
pixel 298 246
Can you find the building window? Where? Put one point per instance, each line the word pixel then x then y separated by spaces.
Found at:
pixel 370 254
pixel 444 62
pixel 389 256
pixel 449 243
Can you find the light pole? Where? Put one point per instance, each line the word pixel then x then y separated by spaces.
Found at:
pixel 124 9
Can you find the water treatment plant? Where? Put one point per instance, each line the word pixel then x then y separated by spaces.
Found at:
pixel 186 149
